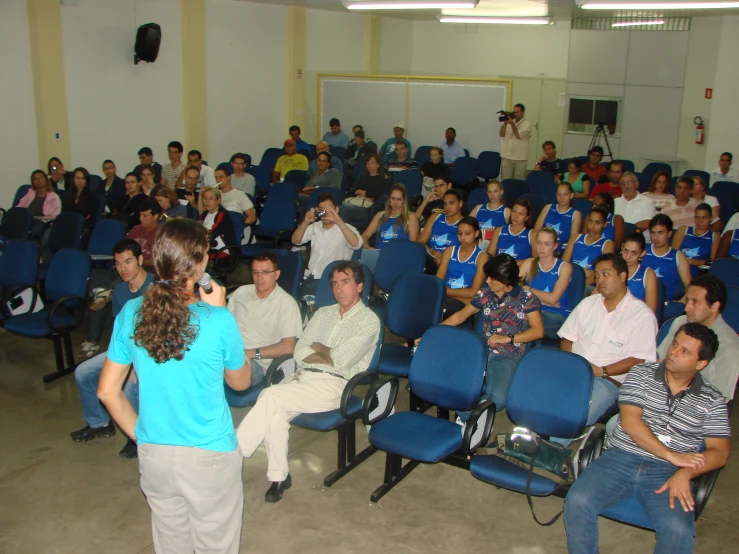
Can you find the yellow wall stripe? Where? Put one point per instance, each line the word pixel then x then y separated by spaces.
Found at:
pixel 195 115
pixel 296 47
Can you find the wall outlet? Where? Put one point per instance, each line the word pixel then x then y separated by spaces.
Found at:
pixel 57 136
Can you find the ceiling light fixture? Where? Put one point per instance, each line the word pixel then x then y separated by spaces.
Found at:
pixel 499 20
pixel 468 4
pixel 660 6
pixel 636 23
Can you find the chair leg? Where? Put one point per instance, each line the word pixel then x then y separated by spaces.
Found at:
pixel 61 371
pixel 70 351
pixel 348 458
pixel 395 472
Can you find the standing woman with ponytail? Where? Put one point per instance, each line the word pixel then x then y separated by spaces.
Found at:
pixel 182 344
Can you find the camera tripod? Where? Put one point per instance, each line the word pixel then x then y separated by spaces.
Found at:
pixel 601 130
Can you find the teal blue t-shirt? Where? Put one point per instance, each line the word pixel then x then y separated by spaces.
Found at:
pixel 182 403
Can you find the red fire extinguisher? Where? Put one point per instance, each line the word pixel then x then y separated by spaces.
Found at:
pixel 699 130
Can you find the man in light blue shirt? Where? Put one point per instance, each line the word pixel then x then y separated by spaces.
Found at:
pixel 452 149
pixel 336 137
pixel 725 172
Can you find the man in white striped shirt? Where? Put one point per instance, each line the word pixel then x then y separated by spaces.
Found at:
pixel 667 413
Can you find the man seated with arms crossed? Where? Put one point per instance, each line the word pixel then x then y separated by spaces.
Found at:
pixel 612 330
pixel 632 205
pixel 288 161
pixel 330 237
pixel 668 411
pixel 268 317
pixel 129 264
pixel 338 343
pixel 706 300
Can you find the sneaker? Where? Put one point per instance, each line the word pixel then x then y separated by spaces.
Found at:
pixel 88 350
pixel 101 299
pixel 130 450
pixel 88 433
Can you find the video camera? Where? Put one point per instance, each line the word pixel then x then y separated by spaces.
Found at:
pixel 504 116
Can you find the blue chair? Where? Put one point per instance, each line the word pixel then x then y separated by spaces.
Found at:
pixel 464 173
pixel 661 301
pixel 423 155
pixel 105 235
pixel 582 205
pixel 488 165
pixel 726 269
pixel 18 268
pixel 292 268
pixel 277 222
pixel 550 395
pixel 278 370
pixel 731 313
pixel 726 201
pixel 373 406
pixel 297 177
pixel 20 193
pixel 477 197
pixel 584 159
pixel 95 182
pixel 447 370
pixel 337 151
pixel 729 187
pixel 576 286
pixel 359 169
pixel 226 166
pixel 66 232
pixel 412 180
pixel 397 258
pixel 16 224
pixel 263 176
pixel 628 165
pixel 192 212
pixel 698 173
pixel 237 221
pixel 336 193
pixel 629 228
pixel 284 189
pixel 270 157
pixel 325 294
pixel 663 330
pixel 542 183
pixel 66 296
pixel 513 189
pixel 648 172
pixel 537 203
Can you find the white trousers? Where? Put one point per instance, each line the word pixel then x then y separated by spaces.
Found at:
pixel 269 419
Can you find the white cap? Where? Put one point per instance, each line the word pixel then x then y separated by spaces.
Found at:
pixel 399 126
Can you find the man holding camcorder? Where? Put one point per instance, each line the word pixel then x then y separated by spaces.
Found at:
pixel 514 151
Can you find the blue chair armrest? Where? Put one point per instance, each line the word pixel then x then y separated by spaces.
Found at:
pixel 473 436
pixel 274 374
pixel 701 488
pixel 363 378
pixel 77 317
pixel 375 387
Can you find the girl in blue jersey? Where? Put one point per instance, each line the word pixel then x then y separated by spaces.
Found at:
pixel 492 215
pixel 642 281
pixel 698 242
pixel 461 267
pixel 440 230
pixel 517 238
pixel 669 264
pixel 548 278
pixel 615 226
pixel 562 217
pixel 586 248
pixel 395 222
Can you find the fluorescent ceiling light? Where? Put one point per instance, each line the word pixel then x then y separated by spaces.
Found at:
pixel 504 9
pixel 499 20
pixel 635 23
pixel 409 5
pixel 661 6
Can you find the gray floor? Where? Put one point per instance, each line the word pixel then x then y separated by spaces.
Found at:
pixel 61 496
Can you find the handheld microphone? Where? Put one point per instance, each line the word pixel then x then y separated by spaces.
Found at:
pixel 205 283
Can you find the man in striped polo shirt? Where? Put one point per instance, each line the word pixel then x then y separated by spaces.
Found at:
pixel 667 412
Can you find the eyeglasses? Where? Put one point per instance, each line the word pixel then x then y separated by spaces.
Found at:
pixel 628 183
pixel 264 273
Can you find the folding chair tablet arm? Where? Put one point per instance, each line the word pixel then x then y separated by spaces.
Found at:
pixel 472 439
pixel 78 313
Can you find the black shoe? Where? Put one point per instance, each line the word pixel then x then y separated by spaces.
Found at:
pixel 88 433
pixel 274 493
pixel 131 450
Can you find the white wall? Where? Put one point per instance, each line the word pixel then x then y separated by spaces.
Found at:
pixel 114 106
pixel 396 46
pixel 246 79
pixel 19 151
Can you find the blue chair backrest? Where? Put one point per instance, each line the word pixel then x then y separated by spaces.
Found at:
pixel 661 299
pixel 582 205
pixel 237 220
pixel 416 305
pixel 297 177
pixel 262 175
pixel 359 169
pixel 99 210
pixel 20 193
pixel 375 361
pixel 488 164
pixel 337 151
pixel 278 214
pixel 731 312
pixel 448 367
pixel 537 203
pixel 16 223
pixel 729 187
pixel 292 267
pixel 663 330
pixel 584 159
pixel 628 165
pixel 464 171
pixel 513 189
pixel 68 273
pixel 66 231
pixel 477 197
pixel 412 180
pixel 226 166
pixel 629 228
pixel 336 193
pixel 648 172
pixel 325 294
pixel 269 158
pixel 285 189
pixel 423 155
pixel 726 203
pixel 726 269
pixel 398 257
pixel 96 183
pixel 106 233
pixel 550 392
pixel 698 173
pixel 19 264
pixel 576 287
pixel 542 183
pixel 192 212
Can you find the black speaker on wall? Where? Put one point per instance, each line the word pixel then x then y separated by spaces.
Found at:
pixel 148 37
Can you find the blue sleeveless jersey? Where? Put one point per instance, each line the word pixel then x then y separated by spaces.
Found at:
pixel 460 274
pixel 584 254
pixel 517 246
pixel 697 247
pixel 490 220
pixel 636 283
pixel 388 232
pixel 609 231
pixel 560 222
pixel 734 248
pixel 443 234
pixel 665 267
pixel 546 281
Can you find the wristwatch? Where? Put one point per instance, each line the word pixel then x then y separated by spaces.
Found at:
pixel 510 337
pixel 257 354
pixel 605 372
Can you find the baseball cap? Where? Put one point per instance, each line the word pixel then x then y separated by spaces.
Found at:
pixel 289 141
pixel 399 126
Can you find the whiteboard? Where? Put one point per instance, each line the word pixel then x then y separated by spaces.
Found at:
pixel 427 107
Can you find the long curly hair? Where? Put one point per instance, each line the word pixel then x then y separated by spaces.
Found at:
pixel 163 326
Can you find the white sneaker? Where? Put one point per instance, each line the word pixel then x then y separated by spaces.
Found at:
pixel 88 350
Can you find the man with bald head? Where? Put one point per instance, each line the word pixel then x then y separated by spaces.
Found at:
pixel 322 146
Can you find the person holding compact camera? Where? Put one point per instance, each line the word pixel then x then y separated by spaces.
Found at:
pixel 515 133
pixel 331 239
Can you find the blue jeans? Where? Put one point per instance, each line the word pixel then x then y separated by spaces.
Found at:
pixel 498 376
pixel 257 373
pixel 87 376
pixel 602 399
pixel 614 477
pixel 97 323
pixel 553 321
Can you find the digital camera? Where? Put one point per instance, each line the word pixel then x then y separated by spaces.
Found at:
pixel 319 213
pixel 504 115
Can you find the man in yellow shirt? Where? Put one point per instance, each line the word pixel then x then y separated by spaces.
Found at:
pixel 289 161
